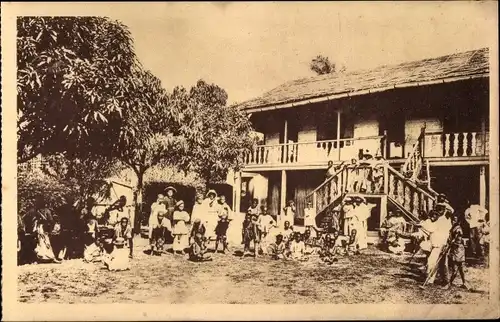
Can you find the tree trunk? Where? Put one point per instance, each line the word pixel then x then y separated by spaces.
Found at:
pixel 138 201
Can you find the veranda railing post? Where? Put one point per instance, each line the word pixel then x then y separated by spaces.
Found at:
pixel 386 179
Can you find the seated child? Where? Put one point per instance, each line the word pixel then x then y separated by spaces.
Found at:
pixel 310 242
pixel 297 247
pixel 119 259
pixel 395 245
pixel 277 250
pixel 197 251
pixel 351 246
pixel 329 250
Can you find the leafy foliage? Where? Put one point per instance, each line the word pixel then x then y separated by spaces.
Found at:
pixel 217 135
pixel 74 83
pixel 321 65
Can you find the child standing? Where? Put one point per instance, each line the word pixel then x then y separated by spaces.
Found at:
pixel 180 230
pixel 222 224
pixel 457 253
pixel 288 214
pixel 251 233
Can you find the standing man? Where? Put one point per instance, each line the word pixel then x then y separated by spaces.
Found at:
pixel 438 228
pixel 475 216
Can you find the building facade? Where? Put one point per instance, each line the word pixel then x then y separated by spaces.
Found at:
pixel 431 114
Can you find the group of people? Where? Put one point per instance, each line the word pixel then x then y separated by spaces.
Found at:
pixel 169 223
pixel 441 237
pixel 105 237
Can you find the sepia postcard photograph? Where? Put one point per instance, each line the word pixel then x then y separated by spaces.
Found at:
pixel 250 160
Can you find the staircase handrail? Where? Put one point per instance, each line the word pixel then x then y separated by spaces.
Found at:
pixel 344 166
pixel 413 184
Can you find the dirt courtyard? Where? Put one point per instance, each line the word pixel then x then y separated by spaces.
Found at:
pixel 372 277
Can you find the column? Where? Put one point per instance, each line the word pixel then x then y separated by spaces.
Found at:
pixel 383 209
pixel 237 192
pixel 482 186
pixel 285 141
pixel 283 190
pixel 484 138
pixel 338 133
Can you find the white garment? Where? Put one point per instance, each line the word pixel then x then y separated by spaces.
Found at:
pixel 297 249
pixel 309 217
pixel 198 212
pixel 212 210
pixel 474 215
pixel 265 223
pixel 439 231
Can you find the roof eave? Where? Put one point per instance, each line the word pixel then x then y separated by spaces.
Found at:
pixel 326 98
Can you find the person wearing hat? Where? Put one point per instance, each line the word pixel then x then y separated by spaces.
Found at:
pixel 118 260
pixel 180 230
pixel 363 211
pixel 211 207
pixel 169 201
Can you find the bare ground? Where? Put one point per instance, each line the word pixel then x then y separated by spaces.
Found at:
pixel 372 277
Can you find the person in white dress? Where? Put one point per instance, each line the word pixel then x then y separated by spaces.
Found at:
pixel 198 211
pixel 362 212
pixel 180 230
pixel 211 207
pixel 310 219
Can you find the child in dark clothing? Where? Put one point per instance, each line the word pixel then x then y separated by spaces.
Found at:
pixel 197 251
pixel 457 253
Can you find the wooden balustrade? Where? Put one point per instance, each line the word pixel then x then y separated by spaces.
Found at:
pixel 458 144
pixel 329 191
pixel 412 198
pixel 313 152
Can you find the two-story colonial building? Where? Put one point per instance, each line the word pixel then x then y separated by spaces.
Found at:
pixel 438 107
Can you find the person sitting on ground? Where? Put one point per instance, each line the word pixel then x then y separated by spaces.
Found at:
pixel 329 250
pixel 119 259
pixel 287 232
pixel 197 228
pixel 297 247
pixel 309 242
pixel 457 253
pixel 352 246
pixel 197 251
pixel 277 250
pixel 395 244
pixel 92 251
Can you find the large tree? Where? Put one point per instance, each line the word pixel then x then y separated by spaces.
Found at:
pixel 217 135
pixel 74 84
pixel 151 136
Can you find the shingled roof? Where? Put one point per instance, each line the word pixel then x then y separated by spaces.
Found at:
pixel 470 64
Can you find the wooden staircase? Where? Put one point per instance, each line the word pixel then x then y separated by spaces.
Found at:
pixel 396 190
